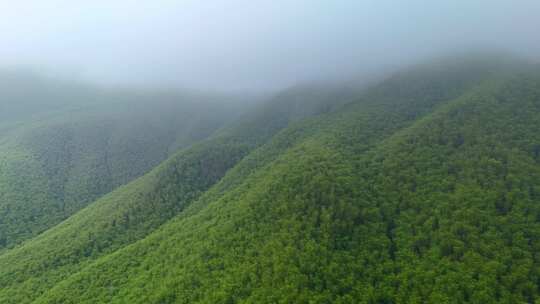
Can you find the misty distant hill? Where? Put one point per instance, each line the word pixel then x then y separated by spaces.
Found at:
pixel 63 145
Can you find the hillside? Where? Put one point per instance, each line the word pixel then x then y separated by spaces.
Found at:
pixel 269 152
pixel 420 189
pixel 132 211
pixel 434 207
pixel 63 148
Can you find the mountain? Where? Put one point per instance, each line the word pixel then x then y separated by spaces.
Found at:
pixel 422 188
pixel 64 145
pixel 134 210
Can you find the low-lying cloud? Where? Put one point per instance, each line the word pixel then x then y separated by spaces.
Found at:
pixel 242 44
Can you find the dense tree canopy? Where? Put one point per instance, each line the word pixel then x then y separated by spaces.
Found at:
pixel 422 189
pixel 63 146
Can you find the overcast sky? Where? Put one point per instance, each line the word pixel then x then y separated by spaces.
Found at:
pixel 238 44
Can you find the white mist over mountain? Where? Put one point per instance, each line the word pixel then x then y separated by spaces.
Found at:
pixel 241 44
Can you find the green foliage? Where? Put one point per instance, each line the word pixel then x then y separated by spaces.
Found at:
pixel 423 190
pixel 132 211
pixel 56 157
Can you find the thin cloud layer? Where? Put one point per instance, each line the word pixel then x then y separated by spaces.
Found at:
pixel 241 44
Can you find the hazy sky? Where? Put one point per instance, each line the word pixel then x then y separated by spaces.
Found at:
pixel 235 44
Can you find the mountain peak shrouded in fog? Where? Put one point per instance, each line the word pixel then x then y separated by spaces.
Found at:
pixel 244 44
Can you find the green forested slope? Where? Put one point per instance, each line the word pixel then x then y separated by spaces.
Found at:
pixel 62 146
pixel 443 210
pixel 134 210
pixel 302 218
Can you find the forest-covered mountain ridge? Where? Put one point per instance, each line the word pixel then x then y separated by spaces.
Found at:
pixel 421 188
